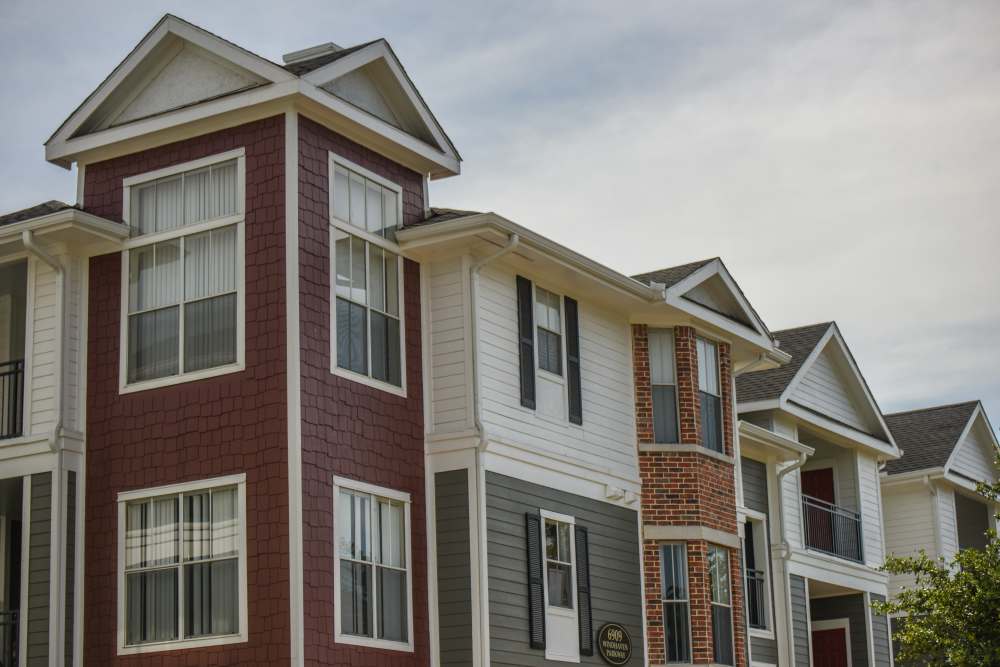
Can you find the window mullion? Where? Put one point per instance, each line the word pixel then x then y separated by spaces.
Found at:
pixel 181 630
pixel 373 504
pixel 180 306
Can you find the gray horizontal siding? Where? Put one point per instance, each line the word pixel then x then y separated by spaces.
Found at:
pixel 800 619
pixel 754 484
pixel 851 607
pixel 880 635
pixel 39 552
pixel 764 650
pixel 454 568
pixel 616 587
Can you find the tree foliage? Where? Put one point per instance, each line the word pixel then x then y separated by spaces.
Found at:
pixel 953 609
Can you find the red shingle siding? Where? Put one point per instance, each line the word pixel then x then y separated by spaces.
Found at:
pixel 196 430
pixel 350 429
pixel 686 489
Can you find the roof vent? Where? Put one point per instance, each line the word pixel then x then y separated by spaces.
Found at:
pixel 311 52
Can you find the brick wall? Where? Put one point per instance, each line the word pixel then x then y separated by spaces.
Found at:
pixel 686 489
pixel 195 430
pixel 350 429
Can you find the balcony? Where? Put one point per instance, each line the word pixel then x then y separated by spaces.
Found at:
pixel 11 399
pixel 8 638
pixel 832 529
pixel 756 592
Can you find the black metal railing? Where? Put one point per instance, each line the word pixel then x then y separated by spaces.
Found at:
pixel 8 638
pixel 756 599
pixel 832 529
pixel 11 398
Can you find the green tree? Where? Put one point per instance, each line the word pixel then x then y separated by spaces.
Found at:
pixel 953 609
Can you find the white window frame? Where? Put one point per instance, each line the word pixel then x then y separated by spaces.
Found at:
pixel 125 497
pixel 238 219
pixel 757 522
pixel 343 483
pixel 673 358
pixel 562 612
pixel 712 603
pixel 374 239
pixel 687 600
pixel 555 377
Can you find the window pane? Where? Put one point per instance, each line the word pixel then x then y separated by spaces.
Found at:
pixel 154 276
pixel 341 195
pixel 342 262
pixel 210 263
pixel 722 635
pixel 151 606
pixel 390 213
pixel 353 532
pixel 376 273
pixel 153 340
pixel 352 344
pixel 392 607
pixel 711 421
pixel 210 333
pixel 380 346
pixel 391 283
pixel 373 213
pixel 211 598
pixel 357 185
pixel 225 523
pixel 345 525
pixel 197 199
pixel 141 272
pixel 661 357
pixel 224 190
pixel 143 214
pixel 718 572
pixel 197 526
pixel 390 540
pixel 355 598
pixel 549 351
pixel 560 585
pixel 676 630
pixel 664 414
pixel 674 584
pixel 359 281
pixel 169 204
pixel 708 367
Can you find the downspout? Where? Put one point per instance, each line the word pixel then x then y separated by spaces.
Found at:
pixel 28 239
pixel 483 580
pixel 786 550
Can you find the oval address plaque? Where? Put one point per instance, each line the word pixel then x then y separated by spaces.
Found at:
pixel 614 643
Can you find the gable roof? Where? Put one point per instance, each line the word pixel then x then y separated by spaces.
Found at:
pixel 767 385
pixel 180 73
pixel 928 436
pixel 670 276
pixel 36 211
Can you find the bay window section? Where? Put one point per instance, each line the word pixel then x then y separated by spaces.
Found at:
pixel 710 395
pixel 182 312
pixel 722 613
pixel 373 572
pixel 664 385
pixel 676 602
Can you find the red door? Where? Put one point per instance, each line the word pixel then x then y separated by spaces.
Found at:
pixel 819 521
pixel 829 648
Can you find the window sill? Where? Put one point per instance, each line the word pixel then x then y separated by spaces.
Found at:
pixel 181 379
pixel 182 644
pixel 761 634
pixel 402 647
pixel 696 449
pixel 367 381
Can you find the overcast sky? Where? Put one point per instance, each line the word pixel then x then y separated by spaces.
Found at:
pixel 843 158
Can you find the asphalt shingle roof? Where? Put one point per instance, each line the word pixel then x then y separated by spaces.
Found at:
pixel 37 211
pixel 305 66
pixel 927 436
pixel 672 275
pixel 438 214
pixel 769 384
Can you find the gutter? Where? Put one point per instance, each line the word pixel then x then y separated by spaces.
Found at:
pixel 28 240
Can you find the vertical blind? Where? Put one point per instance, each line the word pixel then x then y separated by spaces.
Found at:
pixel 364 203
pixel 182 291
pixel 190 541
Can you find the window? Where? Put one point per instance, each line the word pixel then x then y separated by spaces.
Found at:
pixel 710 395
pixel 548 316
pixel 722 613
pixel 565 604
pixel 182 566
pixel 757 591
pixel 183 272
pixel 661 375
pixel 367 312
pixel 559 563
pixel 372 579
pixel 676 602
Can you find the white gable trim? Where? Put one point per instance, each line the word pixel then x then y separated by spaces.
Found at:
pixel 977 414
pixel 168 25
pixel 833 333
pixel 382 50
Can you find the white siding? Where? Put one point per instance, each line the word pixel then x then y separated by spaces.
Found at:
pixel 824 390
pixel 451 393
pixel 947 522
pixel 791 500
pixel 909 527
pixel 974 456
pixel 42 351
pixel 870 495
pixel 606 440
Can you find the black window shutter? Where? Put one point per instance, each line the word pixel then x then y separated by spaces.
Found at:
pixel 573 360
pixel 583 592
pixel 526 341
pixel 536 579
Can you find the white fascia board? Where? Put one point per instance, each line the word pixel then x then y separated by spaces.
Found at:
pixel 879 447
pixel 977 414
pixel 833 570
pixel 65 219
pixel 899 479
pixel 757 406
pixel 716 267
pixel 774 440
pixel 470 226
pixel 168 25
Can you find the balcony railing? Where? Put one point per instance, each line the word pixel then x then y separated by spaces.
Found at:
pixel 11 399
pixel 8 638
pixel 756 599
pixel 832 529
